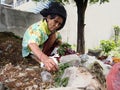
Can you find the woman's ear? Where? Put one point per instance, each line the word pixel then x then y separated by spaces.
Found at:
pixel 48 17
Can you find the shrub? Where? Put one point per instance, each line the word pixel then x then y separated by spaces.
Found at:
pixel 107 46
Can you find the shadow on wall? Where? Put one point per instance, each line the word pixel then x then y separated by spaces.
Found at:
pixel 16 21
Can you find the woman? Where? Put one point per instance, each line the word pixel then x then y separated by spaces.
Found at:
pixel 42 37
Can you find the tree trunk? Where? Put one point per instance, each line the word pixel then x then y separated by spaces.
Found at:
pixel 81 7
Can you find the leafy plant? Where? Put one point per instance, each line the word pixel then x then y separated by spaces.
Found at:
pixel 117 32
pixel 115 52
pixel 65 49
pixel 59 81
pixel 107 46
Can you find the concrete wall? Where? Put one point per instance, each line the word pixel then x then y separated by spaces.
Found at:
pixel 16 21
pixel 99 21
pixel 69 32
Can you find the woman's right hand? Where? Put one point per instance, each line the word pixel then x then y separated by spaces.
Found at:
pixel 50 65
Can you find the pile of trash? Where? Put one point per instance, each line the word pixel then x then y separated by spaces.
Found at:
pixel 78 72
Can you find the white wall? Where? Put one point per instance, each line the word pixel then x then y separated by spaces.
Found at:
pixel 69 32
pixel 99 20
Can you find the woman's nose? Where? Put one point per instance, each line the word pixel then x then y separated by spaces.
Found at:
pixel 57 25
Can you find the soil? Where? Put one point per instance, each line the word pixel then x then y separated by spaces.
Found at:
pixel 16 72
pixel 10 50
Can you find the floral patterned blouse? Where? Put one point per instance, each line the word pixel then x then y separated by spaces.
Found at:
pixel 36 33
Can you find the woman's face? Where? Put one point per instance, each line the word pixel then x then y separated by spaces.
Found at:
pixel 55 23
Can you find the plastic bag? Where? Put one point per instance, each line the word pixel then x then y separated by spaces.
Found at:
pixel 113 78
pixel 54 59
pixel 46 76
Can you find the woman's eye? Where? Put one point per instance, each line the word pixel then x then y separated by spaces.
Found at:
pixel 56 21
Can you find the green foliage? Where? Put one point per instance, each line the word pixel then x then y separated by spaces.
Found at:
pixel 116 28
pixel 112 47
pixel 116 36
pixel 107 46
pixel 65 49
pixel 62 1
pixel 115 52
pixel 61 81
pixel 62 48
pixel 96 1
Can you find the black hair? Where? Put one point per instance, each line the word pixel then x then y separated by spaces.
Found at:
pixel 54 9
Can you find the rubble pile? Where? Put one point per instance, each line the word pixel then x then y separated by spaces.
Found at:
pixel 80 72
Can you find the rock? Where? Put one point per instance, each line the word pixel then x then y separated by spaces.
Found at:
pixel 82 78
pixel 90 60
pixel 95 53
pixel 46 76
pixel 72 60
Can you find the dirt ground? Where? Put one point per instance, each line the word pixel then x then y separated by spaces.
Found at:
pixel 10 50
pixel 15 71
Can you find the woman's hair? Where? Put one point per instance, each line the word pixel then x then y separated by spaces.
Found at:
pixel 54 9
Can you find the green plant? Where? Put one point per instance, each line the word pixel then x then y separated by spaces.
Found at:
pixel 65 49
pixel 59 81
pixel 115 52
pixel 117 32
pixel 107 46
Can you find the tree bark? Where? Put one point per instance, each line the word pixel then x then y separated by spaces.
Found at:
pixel 81 8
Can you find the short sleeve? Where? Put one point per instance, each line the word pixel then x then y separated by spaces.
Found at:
pixel 33 35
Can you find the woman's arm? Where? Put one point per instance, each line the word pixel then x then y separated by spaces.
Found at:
pixel 48 62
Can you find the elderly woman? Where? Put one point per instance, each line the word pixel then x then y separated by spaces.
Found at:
pixel 42 37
